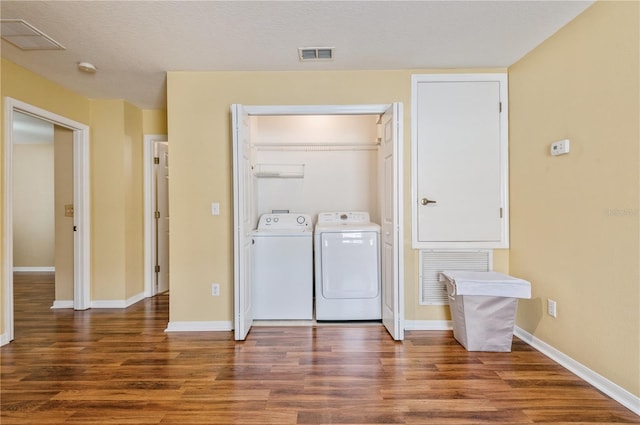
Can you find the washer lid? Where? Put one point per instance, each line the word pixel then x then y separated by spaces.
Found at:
pixel 486 283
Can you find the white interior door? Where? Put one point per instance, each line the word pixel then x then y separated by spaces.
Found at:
pixel 242 225
pixel 162 216
pixel 391 222
pixel 460 164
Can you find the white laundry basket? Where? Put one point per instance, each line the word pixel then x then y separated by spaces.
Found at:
pixel 483 308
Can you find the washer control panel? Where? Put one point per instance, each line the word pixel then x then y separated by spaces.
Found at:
pixel 343 217
pixel 284 221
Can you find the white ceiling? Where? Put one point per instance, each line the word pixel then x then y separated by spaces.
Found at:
pixel 134 43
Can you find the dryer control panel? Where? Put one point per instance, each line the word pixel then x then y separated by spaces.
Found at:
pixel 343 217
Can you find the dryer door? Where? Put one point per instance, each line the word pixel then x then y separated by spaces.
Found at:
pixel 350 265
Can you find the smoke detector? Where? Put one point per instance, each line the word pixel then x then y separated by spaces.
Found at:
pixel 309 54
pixel 87 67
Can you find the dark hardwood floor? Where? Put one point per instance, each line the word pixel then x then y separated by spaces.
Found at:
pixel 120 367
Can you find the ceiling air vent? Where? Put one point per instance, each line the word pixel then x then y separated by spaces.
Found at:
pixel 27 37
pixel 307 54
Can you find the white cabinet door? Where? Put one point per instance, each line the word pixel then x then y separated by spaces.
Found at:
pixel 459 174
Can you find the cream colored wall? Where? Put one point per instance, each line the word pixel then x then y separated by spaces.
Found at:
pixel 575 218
pixel 63 168
pixel 116 176
pixel 33 202
pixel 107 200
pixel 134 196
pixel 154 121
pixel 117 196
pixel 200 134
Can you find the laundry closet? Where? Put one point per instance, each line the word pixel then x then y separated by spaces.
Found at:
pixel 311 164
pixel 308 164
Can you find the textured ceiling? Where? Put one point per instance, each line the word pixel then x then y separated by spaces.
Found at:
pixel 134 43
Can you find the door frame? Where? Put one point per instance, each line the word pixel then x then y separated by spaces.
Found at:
pixel 362 109
pixel 150 240
pixel 81 201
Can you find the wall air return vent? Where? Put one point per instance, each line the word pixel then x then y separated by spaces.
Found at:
pixel 432 290
pixel 308 54
pixel 27 37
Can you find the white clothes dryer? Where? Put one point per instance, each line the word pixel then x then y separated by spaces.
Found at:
pixel 283 267
pixel 347 267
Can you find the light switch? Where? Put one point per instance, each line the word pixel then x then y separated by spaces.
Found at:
pixel 215 208
pixel 68 210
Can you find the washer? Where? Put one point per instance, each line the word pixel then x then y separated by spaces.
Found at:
pixel 347 262
pixel 283 267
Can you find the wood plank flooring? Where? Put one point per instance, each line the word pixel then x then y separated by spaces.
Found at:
pixel 120 367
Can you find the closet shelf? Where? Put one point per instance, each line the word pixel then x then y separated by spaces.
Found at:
pixel 279 171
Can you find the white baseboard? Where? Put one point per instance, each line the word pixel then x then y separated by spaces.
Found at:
pixel 218 326
pixel 117 303
pixel 611 389
pixel 428 325
pixel 62 304
pixel 34 269
pixel 4 339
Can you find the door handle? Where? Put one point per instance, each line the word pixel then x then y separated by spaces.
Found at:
pixel 425 201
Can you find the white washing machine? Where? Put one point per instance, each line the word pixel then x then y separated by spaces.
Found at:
pixel 347 267
pixel 283 267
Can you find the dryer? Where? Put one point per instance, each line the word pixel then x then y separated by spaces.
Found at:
pixel 347 267
pixel 283 267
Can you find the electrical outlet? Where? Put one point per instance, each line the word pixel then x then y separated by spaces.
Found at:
pixel 215 289
pixel 551 308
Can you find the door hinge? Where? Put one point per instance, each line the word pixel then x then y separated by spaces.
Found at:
pixel 156 160
pixel 157 214
pixel 500 212
pixel 157 269
pixel 499 106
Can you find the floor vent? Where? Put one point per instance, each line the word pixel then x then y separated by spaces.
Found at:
pixel 432 290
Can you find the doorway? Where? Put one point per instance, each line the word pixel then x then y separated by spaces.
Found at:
pixel 80 207
pixel 385 200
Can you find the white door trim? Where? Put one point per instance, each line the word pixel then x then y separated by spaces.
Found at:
pixel 81 220
pixel 149 206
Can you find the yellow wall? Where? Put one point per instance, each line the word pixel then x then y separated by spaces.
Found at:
pixel 117 196
pixel 21 84
pixel 575 218
pixel 33 202
pixel 154 121
pixel 116 129
pixel 134 196
pixel 200 143
pixel 63 157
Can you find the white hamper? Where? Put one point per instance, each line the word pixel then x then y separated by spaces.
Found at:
pixel 483 308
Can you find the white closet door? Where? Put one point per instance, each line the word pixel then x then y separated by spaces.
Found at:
pixel 391 240
pixel 460 162
pixel 242 203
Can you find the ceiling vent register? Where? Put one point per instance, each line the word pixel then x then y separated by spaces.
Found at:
pixel 309 54
pixel 27 37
